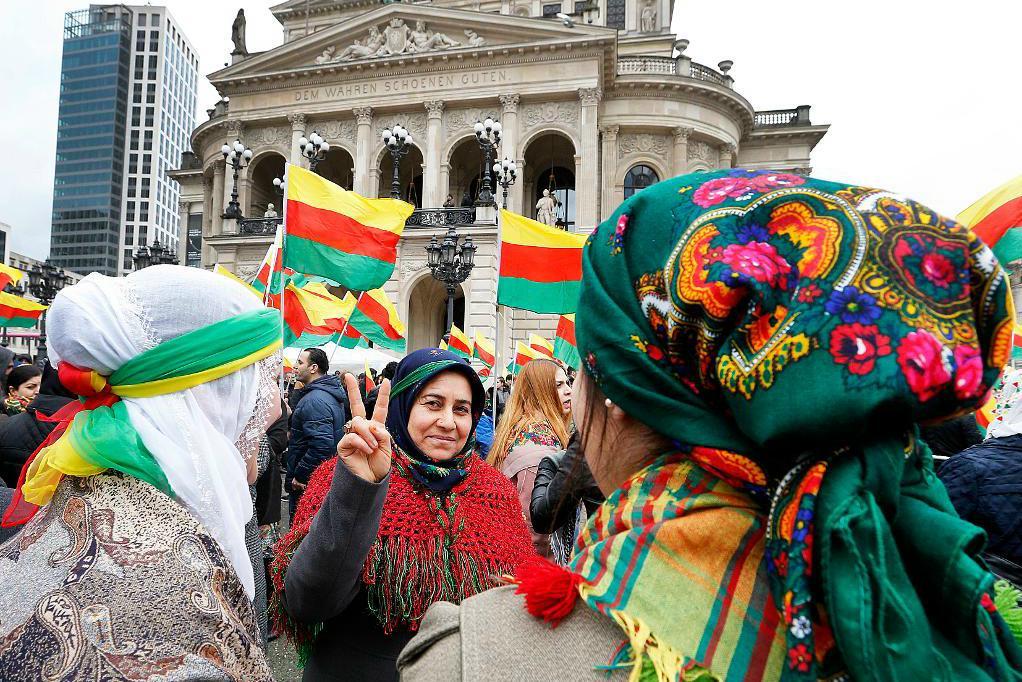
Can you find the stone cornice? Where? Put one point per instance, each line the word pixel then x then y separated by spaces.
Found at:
pixel 717 97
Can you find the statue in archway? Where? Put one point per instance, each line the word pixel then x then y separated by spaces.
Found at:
pixel 238 33
pixel 647 20
pixel 546 209
pixel 270 212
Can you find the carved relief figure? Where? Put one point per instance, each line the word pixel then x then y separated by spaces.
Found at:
pixel 474 39
pixel 395 39
pixel 423 40
pixel 238 33
pixel 647 19
pixel 328 55
pixel 546 209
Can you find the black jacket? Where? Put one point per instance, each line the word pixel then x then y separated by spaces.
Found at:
pixel 317 425
pixel 21 434
pixel 561 482
pixel 984 483
pixel 269 485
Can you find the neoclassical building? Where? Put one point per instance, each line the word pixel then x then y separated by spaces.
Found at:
pixel 594 106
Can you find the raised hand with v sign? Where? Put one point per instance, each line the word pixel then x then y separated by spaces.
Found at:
pixel 365 448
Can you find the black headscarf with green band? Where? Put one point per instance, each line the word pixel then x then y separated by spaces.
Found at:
pixel 801 322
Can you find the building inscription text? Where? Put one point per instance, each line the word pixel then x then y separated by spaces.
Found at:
pixel 396 85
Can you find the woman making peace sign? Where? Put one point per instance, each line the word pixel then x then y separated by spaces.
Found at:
pixel 411 517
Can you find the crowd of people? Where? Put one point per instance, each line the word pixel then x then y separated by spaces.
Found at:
pixel 765 467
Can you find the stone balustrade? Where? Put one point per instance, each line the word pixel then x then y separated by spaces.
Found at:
pixel 671 66
pixel 630 65
pixel 782 118
pixel 259 226
pixel 441 217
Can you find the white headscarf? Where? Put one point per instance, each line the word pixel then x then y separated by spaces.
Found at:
pixel 1008 413
pixel 195 435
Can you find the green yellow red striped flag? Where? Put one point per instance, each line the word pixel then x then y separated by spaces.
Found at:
pixel 482 349
pixel 224 272
pixel 9 275
pixel 16 311
pixel 338 234
pixel 312 310
pixel 541 345
pixel 459 343
pixel 540 266
pixel 565 347
pixel 375 318
pixel 996 218
pixel 523 356
pixel 443 345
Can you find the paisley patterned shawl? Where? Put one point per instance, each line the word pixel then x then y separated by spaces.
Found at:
pixel 114 580
pixel 794 333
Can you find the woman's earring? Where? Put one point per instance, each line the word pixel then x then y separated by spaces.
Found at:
pixel 609 403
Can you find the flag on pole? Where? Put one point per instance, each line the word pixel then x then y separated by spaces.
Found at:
pixel 269 280
pixel 482 349
pixel 523 356
pixel 375 318
pixel 338 234
pixel 443 345
pixel 540 266
pixel 8 275
pixel 224 272
pixel 312 309
pixel 459 343
pixel 16 311
pixel 996 218
pixel 541 345
pixel 370 384
pixel 565 347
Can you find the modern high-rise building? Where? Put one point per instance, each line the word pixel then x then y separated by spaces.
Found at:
pixel 127 107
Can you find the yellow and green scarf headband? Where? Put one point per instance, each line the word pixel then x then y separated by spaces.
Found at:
pixel 96 434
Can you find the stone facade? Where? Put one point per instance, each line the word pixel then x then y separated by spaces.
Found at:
pixel 580 106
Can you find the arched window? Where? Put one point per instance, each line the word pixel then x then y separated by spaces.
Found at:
pixel 639 177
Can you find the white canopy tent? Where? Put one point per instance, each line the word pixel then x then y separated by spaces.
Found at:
pixel 349 359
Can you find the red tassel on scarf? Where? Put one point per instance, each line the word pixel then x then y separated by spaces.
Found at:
pixel 550 590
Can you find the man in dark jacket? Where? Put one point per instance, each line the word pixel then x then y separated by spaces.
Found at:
pixel 21 434
pixel 317 424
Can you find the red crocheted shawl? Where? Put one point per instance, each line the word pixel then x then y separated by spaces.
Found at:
pixel 429 547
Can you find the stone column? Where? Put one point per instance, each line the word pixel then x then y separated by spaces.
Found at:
pixel 363 150
pixel 610 179
pixel 727 153
pixel 586 186
pixel 183 209
pixel 679 160
pixel 445 183
pixel 297 131
pixel 432 191
pixel 509 147
pixel 209 218
pixel 219 201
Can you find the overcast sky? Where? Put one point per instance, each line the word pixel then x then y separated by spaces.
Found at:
pixel 923 98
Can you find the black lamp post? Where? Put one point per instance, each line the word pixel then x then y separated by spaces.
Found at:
pixel 505 172
pixel 397 139
pixel 314 148
pixel 44 281
pixel 450 263
pixel 157 254
pixel 238 156
pixel 488 137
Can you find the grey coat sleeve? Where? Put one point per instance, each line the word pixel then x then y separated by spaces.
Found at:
pixel 434 654
pixel 325 573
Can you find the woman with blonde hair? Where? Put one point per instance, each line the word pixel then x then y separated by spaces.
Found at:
pixel 534 425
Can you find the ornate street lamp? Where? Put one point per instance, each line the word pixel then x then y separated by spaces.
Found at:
pixel 238 156
pixel 505 172
pixel 450 263
pixel 314 148
pixel 157 254
pixel 278 184
pixel 142 258
pixel 398 140
pixel 488 136
pixel 44 281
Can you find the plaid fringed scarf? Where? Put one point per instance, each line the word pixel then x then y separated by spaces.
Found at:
pixel 429 548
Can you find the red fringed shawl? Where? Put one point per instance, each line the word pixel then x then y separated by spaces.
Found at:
pixel 429 548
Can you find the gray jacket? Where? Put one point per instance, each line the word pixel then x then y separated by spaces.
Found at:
pixel 492 637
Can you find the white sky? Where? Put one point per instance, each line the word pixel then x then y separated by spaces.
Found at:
pixel 923 98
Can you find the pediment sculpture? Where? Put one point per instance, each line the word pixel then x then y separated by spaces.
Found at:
pixel 397 39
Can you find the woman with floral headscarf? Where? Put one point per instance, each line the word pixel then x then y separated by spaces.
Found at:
pixel 757 349
pixel 132 563
pixel 410 516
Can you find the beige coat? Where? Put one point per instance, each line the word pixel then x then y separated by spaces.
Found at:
pixel 492 637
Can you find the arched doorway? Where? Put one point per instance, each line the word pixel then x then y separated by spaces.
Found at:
pixel 261 190
pixel 466 172
pixel 550 165
pixel 338 167
pixel 409 176
pixel 427 313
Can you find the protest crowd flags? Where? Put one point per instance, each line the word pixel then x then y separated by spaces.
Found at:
pixel 16 311
pixel 269 279
pixel 996 218
pixel 459 343
pixel 541 345
pixel 9 275
pixel 338 234
pixel 540 266
pixel 482 349
pixel 565 347
pixel 523 355
pixel 312 310
pixel 375 318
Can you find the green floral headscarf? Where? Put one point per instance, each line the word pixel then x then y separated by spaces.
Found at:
pixel 809 325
